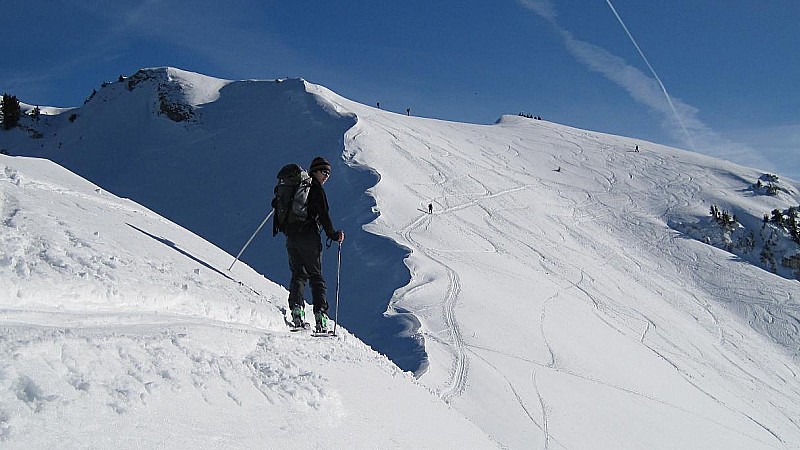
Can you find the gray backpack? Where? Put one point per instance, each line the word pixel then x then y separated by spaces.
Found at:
pixel 291 199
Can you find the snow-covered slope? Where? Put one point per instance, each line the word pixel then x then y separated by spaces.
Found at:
pixel 123 330
pixel 551 287
pixel 213 169
pixel 559 296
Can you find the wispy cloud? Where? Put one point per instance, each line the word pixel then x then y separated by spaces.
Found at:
pixel 544 8
pixel 779 144
pixel 680 120
pixel 653 71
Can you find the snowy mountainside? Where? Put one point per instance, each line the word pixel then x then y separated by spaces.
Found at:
pixel 562 294
pixel 550 266
pixel 213 169
pixel 121 329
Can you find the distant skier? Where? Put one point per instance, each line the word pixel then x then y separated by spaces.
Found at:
pixel 430 208
pixel 408 111
pixel 637 148
pixel 304 248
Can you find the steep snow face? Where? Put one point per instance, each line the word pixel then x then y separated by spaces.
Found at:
pixel 122 330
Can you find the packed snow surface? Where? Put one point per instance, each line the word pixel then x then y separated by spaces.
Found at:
pixel 560 291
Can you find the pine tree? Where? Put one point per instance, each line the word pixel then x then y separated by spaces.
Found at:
pixel 11 111
pixel 777 216
pixel 793 224
pixel 773 189
pixel 767 255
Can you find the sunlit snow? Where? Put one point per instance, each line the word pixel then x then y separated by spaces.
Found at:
pixel 563 293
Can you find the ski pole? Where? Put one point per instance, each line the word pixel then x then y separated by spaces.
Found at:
pixel 338 271
pixel 251 238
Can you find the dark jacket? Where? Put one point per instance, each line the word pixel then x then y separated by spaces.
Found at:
pixel 319 212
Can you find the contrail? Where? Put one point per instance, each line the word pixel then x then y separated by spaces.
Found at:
pixel 655 75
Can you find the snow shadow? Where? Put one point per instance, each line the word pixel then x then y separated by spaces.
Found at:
pixel 183 252
pixel 214 174
pixel 372 269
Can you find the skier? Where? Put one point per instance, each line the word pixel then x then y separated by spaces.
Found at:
pixel 304 248
pixel 430 208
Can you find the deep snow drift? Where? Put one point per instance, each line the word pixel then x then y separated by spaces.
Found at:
pixel 559 287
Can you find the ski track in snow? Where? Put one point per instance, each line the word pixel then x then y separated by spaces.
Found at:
pixel 681 192
pixel 459 372
pixel 460 363
pixel 460 366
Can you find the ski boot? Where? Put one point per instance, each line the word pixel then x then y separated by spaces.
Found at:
pixel 322 322
pixel 298 317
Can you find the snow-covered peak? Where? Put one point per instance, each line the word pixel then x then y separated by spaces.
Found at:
pixel 198 89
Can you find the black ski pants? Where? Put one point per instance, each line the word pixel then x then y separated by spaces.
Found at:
pixel 305 262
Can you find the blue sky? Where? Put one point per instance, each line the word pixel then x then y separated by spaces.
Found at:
pixel 729 68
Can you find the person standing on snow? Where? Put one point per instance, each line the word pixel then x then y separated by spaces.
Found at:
pixel 304 248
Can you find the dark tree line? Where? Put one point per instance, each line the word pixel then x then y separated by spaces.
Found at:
pixel 788 220
pixel 722 217
pixel 11 111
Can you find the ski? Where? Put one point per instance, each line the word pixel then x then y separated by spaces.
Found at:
pixel 323 333
pixel 306 326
